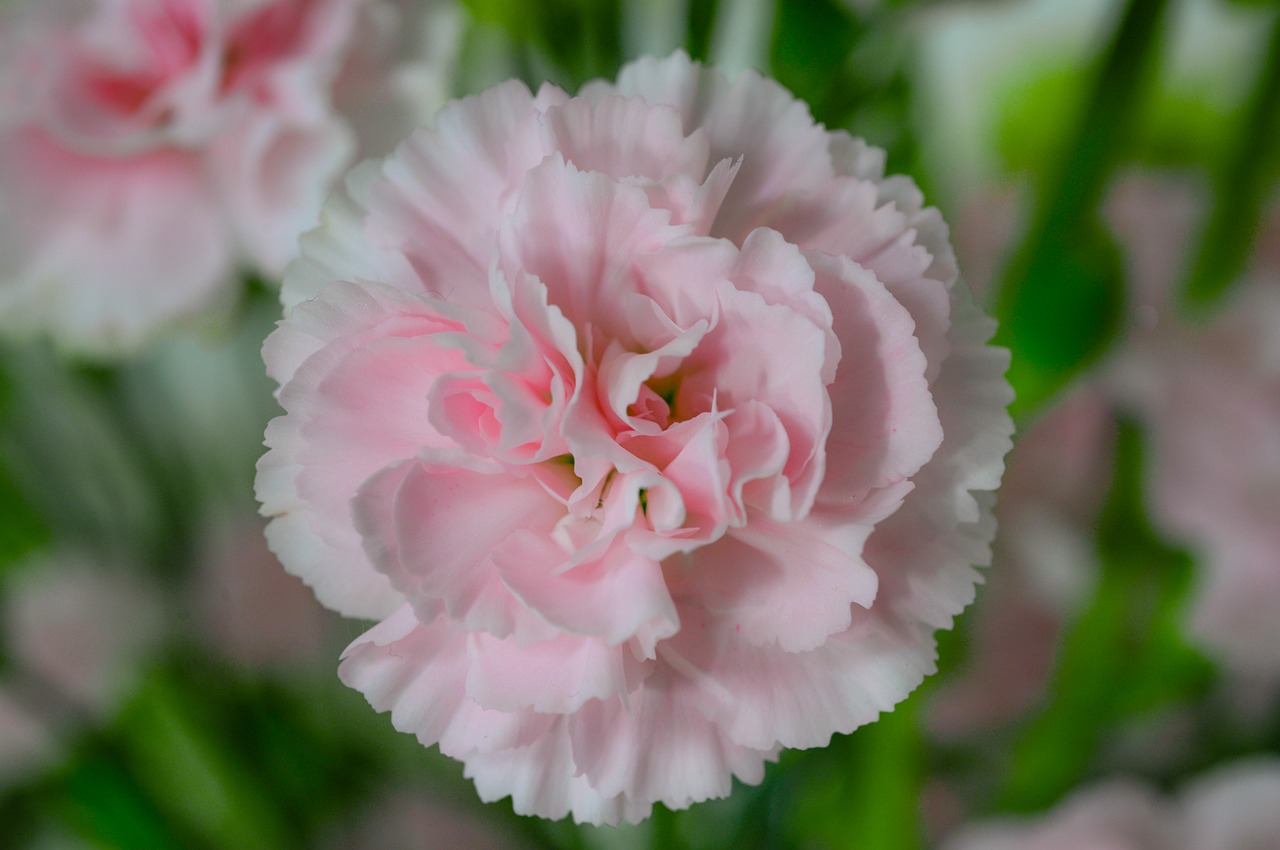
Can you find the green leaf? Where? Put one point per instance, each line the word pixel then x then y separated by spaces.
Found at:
pixel 102 802
pixel 1065 312
pixel 581 37
pixel 1061 298
pixel 172 736
pixel 22 528
pixel 812 40
pixel 701 14
pixel 862 792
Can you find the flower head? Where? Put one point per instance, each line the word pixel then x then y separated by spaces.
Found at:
pixel 653 425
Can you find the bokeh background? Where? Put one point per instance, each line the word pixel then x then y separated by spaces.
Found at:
pixel 1109 170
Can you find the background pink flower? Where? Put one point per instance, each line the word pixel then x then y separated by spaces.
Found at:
pixel 1208 394
pixel 1211 399
pixel 1237 807
pixel 151 149
pixel 251 610
pixel 84 630
pixel 653 425
pixel 1205 395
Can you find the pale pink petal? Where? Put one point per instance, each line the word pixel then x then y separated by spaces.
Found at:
pixel 624 137
pixel 1236 807
pixel 790 583
pixel 324 447
pixel 764 697
pixel 885 423
pixel 436 528
pixel 656 746
pixel 541 779
pixel 728 367
pixel 434 205
pixel 553 676
pixel 753 118
pixel 342 247
pixel 616 597
pixel 850 219
pixel 924 552
pixel 418 672
pixel 580 232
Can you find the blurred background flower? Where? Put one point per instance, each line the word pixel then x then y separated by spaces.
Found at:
pixel 1110 170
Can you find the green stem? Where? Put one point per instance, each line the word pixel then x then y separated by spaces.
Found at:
pixel 1243 186
pixel 1060 301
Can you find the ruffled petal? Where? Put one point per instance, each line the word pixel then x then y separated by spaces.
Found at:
pixel 426 217
pixel 579 232
pixel 925 552
pixel 326 445
pixel 655 746
pixel 624 137
pixel 435 528
pixel 885 424
pixel 616 597
pixel 790 583
pixel 751 118
pixel 418 672
pixel 765 696
pixel 557 676
pixel 541 779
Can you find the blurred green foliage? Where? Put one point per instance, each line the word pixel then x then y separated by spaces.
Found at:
pixel 1124 656
pixel 1062 298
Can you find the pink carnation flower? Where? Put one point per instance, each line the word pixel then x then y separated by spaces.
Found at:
pixel 1236 807
pixel 652 424
pixel 1210 398
pixel 149 148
